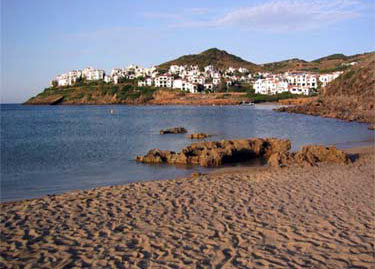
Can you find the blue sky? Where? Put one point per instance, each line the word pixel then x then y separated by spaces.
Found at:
pixel 42 38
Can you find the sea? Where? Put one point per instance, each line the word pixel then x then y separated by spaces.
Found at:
pixel 56 149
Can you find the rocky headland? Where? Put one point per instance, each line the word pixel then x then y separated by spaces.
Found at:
pixel 174 130
pixel 349 97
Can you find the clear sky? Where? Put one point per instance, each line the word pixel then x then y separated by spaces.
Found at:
pixel 42 38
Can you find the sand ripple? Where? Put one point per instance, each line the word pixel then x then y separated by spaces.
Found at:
pixel 320 217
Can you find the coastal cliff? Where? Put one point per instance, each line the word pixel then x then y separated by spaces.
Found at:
pixel 349 97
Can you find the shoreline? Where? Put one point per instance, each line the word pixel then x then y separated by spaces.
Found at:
pixel 290 217
pixel 226 168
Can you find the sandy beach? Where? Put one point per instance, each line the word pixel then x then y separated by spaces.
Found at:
pixel 316 217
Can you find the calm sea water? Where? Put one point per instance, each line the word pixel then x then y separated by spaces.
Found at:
pixel 54 149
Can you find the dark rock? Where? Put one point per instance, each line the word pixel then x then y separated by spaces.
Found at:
pixel 176 130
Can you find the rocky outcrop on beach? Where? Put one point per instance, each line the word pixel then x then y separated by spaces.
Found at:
pixel 198 136
pixel 349 97
pixel 216 153
pixel 274 151
pixel 309 155
pixel 175 130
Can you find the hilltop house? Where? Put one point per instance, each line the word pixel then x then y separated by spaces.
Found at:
pixel 93 74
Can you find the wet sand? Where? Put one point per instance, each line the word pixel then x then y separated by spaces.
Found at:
pixel 318 217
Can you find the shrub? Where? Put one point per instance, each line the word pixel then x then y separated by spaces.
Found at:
pixel 260 98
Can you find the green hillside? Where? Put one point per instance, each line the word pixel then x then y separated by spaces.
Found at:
pixel 219 58
pixel 95 92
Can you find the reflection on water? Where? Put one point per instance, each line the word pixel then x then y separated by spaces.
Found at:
pixel 52 149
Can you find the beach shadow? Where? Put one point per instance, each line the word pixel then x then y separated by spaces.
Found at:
pixel 353 157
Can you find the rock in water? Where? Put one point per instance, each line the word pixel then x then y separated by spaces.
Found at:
pixel 198 136
pixel 176 130
pixel 216 153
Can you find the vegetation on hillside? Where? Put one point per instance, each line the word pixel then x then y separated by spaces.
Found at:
pixel 127 92
pixel 222 60
pixel 328 64
pixel 219 58
pixel 98 92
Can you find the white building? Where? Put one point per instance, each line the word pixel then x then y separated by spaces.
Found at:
pixel 107 79
pixel 164 81
pixel 243 70
pixel 93 74
pixel 303 80
pixel 174 69
pixel 208 86
pixel 231 70
pixel 141 83
pixel 209 69
pixel 185 85
pixel 149 81
pixel 327 78
pixel 216 81
pixel 62 80
pixel 73 76
pixel 270 86
pixel 299 90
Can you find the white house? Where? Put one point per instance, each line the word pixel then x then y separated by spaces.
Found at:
pixel 62 80
pixel 164 81
pixel 243 70
pixel 93 74
pixel 209 68
pixel 303 80
pixel 231 70
pixel 327 78
pixel 174 69
pixel 299 90
pixel 107 78
pixel 149 81
pixel 270 86
pixel 192 87
pixel 216 81
pixel 185 85
pixel 73 76
pixel 208 86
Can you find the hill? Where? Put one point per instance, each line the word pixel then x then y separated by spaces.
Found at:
pixel 282 66
pixel 219 58
pixel 349 97
pixel 358 81
pixel 327 64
